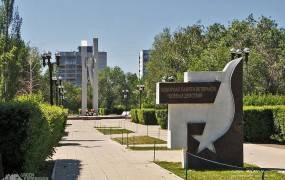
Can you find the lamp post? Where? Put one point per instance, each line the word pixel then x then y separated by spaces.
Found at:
pixel 168 79
pixel 141 89
pixel 46 57
pixel 125 96
pixel 61 92
pixel 55 82
pixel 59 85
pixel 239 53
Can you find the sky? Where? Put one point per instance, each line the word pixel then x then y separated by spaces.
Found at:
pixel 124 27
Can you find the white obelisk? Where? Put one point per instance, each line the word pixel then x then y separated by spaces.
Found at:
pixel 89 69
pixel 95 75
pixel 84 56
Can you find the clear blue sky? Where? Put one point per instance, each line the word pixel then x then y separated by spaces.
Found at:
pixel 124 27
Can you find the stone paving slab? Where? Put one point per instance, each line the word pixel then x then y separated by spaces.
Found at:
pixel 87 154
pixel 262 155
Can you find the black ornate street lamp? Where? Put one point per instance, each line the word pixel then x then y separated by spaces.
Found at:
pixel 60 90
pixel 46 57
pixel 55 82
pixel 246 54
pixel 238 53
pixel 141 89
pixel 125 96
pixel 168 79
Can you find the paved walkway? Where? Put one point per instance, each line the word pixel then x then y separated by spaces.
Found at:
pixel 88 155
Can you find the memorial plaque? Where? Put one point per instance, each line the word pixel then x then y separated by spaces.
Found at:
pixel 205 116
pixel 187 93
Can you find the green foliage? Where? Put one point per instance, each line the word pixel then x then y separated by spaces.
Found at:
pixel 134 116
pixel 13 52
pixel 146 116
pixel 162 118
pixel 103 111
pixel 264 123
pixel 14 121
pixel 263 99
pixel 200 48
pixel 117 110
pixel 111 83
pixel 29 132
pixel 73 97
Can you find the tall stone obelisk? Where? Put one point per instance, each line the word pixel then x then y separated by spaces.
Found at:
pixel 84 56
pixel 95 74
pixel 89 61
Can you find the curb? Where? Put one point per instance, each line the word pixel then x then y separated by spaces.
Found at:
pixel 53 170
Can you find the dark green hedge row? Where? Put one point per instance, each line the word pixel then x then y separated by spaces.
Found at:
pixel 29 130
pixel 162 118
pixel 150 117
pixel 116 110
pixel 146 116
pixel 263 100
pixel 264 123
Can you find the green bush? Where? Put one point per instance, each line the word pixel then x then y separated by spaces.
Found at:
pixel 134 116
pixel 263 100
pixel 14 121
pixel 264 123
pixel 162 118
pixel 279 124
pixel 117 110
pixel 147 116
pixel 102 111
pixel 29 130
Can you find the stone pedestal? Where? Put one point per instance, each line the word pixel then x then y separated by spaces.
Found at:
pixel 206 118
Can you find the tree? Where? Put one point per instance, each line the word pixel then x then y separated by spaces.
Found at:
pixel 196 48
pixel 31 72
pixel 13 50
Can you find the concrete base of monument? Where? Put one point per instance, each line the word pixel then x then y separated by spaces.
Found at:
pixel 98 117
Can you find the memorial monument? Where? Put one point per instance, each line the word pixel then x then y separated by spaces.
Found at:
pixel 205 116
pixel 89 71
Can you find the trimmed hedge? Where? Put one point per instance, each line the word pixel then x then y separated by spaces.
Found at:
pixel 263 100
pixel 264 123
pixel 29 130
pixel 134 116
pixel 261 123
pixel 162 118
pixel 146 116
pixel 103 111
pixel 116 110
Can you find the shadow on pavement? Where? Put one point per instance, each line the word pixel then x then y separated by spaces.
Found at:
pixel 67 169
pixel 68 144
pixel 63 139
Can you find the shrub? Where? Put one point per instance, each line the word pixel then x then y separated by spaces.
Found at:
pixel 262 100
pixel 279 124
pixel 102 111
pixel 29 130
pixel 117 110
pixel 162 118
pixel 14 121
pixel 146 116
pixel 134 116
pixel 264 123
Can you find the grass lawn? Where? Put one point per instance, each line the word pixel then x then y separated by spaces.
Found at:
pixel 139 140
pixel 175 168
pixel 150 148
pixel 107 131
